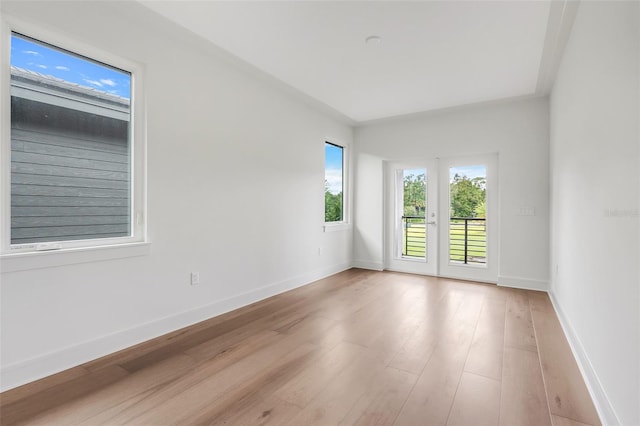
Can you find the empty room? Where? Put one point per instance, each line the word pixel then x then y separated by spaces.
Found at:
pixel 320 212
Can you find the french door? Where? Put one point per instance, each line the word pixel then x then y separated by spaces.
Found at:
pixel 441 217
pixel 411 211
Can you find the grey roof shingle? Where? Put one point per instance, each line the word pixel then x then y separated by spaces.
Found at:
pixel 51 82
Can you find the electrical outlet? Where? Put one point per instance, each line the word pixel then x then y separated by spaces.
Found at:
pixel 195 278
pixel 319 251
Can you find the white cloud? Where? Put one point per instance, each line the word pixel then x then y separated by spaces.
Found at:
pixel 108 82
pixel 31 52
pixel 93 82
pixel 44 67
pixel 333 177
pixel 63 68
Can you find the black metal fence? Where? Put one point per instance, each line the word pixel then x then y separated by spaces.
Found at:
pixel 468 240
pixel 414 236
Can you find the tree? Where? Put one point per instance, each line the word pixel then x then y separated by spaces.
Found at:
pixel 414 195
pixel 332 205
pixel 466 195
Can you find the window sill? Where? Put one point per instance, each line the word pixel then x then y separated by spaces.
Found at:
pixel 49 259
pixel 337 226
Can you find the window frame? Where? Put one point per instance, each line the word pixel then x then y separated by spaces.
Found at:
pixel 345 222
pixel 137 142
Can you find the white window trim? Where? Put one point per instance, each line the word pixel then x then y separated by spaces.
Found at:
pixel 46 254
pixel 336 226
pixel 345 223
pixel 48 259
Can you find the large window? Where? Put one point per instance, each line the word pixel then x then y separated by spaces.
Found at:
pixel 333 183
pixel 73 178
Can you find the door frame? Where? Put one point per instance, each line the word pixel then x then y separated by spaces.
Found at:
pixel 441 265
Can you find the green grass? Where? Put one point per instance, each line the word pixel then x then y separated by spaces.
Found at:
pixel 476 244
pixel 476 241
pixel 414 238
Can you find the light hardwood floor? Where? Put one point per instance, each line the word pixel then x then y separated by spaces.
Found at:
pixel 359 347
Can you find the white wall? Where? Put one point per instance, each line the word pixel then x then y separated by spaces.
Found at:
pixel 595 183
pixel 368 231
pixel 518 131
pixel 235 192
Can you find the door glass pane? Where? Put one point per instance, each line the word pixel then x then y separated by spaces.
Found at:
pixel 414 202
pixel 467 224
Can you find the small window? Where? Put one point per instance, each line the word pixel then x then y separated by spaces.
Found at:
pixel 333 183
pixel 71 150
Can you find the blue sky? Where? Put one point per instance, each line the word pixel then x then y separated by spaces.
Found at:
pixel 46 60
pixel 414 172
pixel 333 167
pixel 468 171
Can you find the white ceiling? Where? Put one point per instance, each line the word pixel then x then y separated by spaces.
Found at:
pixel 432 54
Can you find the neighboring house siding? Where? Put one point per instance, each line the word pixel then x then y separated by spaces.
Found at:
pixel 67 184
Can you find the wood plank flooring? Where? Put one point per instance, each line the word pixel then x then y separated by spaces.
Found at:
pixel 360 347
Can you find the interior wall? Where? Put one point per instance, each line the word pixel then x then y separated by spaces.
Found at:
pixel 235 192
pixel 518 131
pixel 368 233
pixel 595 184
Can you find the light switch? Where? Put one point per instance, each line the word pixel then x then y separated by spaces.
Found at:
pixel 527 211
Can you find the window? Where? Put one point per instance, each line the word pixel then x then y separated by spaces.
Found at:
pixel 76 158
pixel 333 183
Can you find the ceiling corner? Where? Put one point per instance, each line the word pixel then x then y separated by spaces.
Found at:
pixel 562 13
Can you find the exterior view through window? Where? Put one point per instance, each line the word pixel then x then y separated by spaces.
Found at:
pixel 414 236
pixel 70 146
pixel 333 183
pixel 468 218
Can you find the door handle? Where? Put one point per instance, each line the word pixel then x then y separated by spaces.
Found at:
pixel 433 222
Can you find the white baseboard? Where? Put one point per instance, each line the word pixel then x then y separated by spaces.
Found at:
pixel 474 280
pixel 598 395
pixel 23 372
pixel 523 283
pixel 368 264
